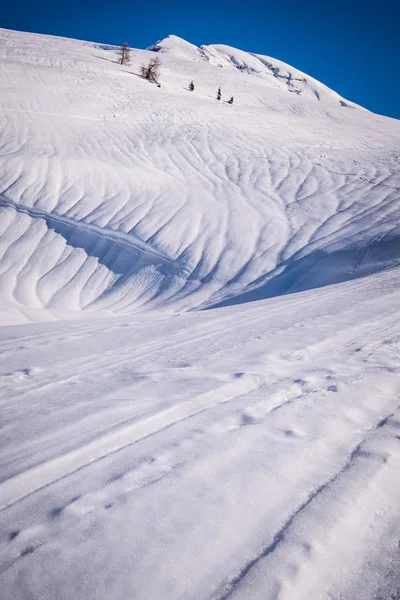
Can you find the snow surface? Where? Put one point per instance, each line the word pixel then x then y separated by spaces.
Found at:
pixel 242 452
pixel 117 195
pixel 246 451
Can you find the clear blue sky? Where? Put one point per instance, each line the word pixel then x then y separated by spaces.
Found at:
pixel 350 45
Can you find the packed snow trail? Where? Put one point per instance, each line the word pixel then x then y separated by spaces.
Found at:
pixel 233 453
pixel 119 196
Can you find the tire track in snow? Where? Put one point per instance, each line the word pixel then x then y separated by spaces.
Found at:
pixel 143 428
pixel 279 537
pixel 41 476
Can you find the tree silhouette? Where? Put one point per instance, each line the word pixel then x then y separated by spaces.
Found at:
pixel 151 72
pixel 124 54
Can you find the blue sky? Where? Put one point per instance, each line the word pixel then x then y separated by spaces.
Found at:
pixel 352 46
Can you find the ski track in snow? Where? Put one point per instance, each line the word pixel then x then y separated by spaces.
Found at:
pixel 247 451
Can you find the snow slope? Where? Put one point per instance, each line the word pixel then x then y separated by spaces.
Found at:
pixel 244 452
pixel 116 195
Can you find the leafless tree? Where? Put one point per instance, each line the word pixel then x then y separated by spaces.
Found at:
pixel 124 54
pixel 151 72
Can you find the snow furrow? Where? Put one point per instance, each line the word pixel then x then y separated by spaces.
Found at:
pixel 279 537
pixel 116 236
pixel 23 485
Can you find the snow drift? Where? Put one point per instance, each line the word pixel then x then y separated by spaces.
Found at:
pixel 116 195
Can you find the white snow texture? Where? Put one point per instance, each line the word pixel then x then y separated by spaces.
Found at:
pixel 200 351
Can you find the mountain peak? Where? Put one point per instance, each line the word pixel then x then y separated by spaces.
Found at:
pixel 173 44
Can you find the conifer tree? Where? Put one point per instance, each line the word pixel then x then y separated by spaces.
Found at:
pixel 191 86
pixel 151 72
pixel 219 94
pixel 124 54
pixel 230 101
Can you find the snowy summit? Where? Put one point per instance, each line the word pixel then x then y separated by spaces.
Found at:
pixel 199 293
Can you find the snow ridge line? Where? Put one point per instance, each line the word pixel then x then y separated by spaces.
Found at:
pixel 125 239
pixel 158 345
pixel 279 536
pixel 41 476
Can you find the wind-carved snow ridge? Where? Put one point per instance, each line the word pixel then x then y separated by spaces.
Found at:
pixel 119 196
pixel 54 220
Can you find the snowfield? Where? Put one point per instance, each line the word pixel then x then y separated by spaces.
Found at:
pixel 117 195
pixel 200 357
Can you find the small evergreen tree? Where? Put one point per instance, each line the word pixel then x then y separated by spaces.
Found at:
pixel 151 72
pixel 191 86
pixel 230 101
pixel 219 94
pixel 124 54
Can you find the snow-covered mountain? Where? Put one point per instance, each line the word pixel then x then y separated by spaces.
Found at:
pixel 247 451
pixel 118 195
